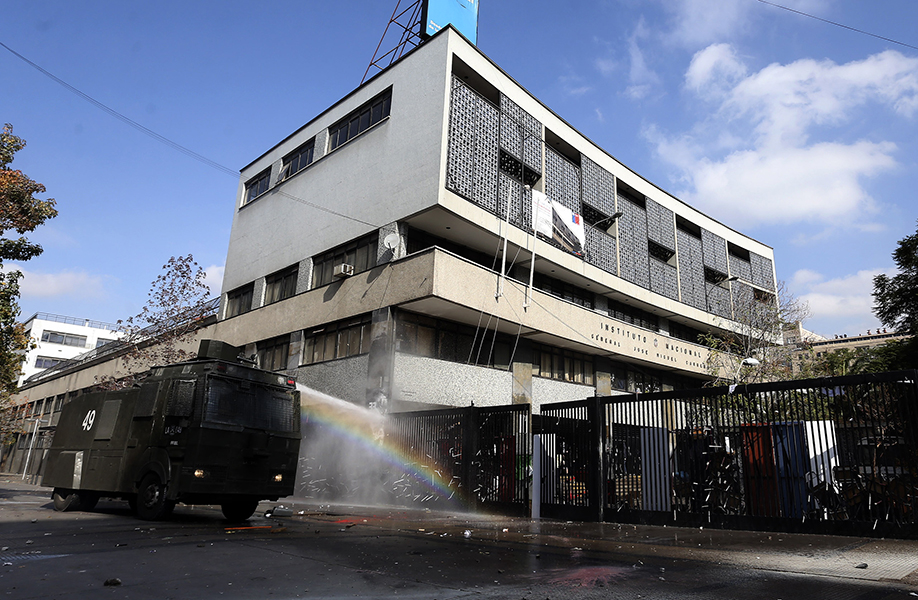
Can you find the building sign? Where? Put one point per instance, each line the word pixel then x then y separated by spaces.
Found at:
pixel 628 340
pixel 461 14
pixel 558 222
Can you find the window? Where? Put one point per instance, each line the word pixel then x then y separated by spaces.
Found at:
pixel 435 338
pixel 239 300
pixel 281 285
pixel 298 160
pixel 633 315
pixel 102 341
pixel 46 362
pixel 563 290
pixel 66 339
pixel 337 340
pixel 361 254
pixel 359 121
pixel 272 354
pixel 257 185
pixel 565 365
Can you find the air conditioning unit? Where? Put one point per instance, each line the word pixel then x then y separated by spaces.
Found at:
pixel 344 270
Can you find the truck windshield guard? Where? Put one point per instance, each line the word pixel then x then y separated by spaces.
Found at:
pixel 248 404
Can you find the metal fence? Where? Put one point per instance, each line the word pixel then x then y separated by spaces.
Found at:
pixel 834 455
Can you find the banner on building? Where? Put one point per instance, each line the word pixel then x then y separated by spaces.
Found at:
pixel 461 14
pixel 558 222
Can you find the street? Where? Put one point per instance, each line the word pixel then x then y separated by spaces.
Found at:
pixel 346 552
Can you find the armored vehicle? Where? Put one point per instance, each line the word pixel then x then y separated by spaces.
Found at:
pixel 213 430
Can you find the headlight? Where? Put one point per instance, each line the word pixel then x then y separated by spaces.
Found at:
pixel 200 473
pixel 278 478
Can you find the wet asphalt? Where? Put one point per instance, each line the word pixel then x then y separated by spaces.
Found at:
pixel 325 551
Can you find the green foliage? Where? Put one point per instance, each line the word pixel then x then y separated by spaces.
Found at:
pixel 896 305
pixel 20 212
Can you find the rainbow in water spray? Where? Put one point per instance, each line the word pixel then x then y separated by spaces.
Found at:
pixel 367 429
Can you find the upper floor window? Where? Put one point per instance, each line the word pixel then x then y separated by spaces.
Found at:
pixel 360 120
pixel 360 254
pixel 256 186
pixel 281 285
pixel 239 300
pixel 298 160
pixel 46 362
pixel 337 340
pixel 66 339
pixel 102 341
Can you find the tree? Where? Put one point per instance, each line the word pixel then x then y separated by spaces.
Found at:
pixel 176 307
pixel 754 333
pixel 896 303
pixel 20 212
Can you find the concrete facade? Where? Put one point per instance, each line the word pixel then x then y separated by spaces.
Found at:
pixel 60 338
pixel 435 188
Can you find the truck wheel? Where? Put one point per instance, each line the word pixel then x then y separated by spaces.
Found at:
pixel 152 504
pixel 65 499
pixel 88 500
pixel 239 509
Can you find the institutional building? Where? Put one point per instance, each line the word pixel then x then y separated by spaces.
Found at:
pixel 441 237
pixel 59 339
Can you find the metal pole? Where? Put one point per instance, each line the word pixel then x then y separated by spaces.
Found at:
pixel 503 258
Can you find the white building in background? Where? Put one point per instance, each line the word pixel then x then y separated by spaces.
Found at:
pixel 59 338
pixel 391 248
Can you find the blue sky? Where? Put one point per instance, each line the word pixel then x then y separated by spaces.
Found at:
pixel 801 134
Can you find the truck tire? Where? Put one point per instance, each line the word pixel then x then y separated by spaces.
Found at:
pixel 152 504
pixel 238 509
pixel 65 499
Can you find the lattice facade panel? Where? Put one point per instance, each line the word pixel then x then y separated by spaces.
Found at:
pixel 520 202
pixel 740 268
pixel 718 300
pixel 691 270
pixel 598 187
pixel 715 251
pixel 473 153
pixel 763 272
pixel 661 225
pixel 663 279
pixel 521 134
pixel 460 161
pixel 601 250
pixel 743 301
pixel 632 237
pixel 562 180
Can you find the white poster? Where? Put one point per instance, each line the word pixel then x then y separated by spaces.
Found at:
pixel 556 221
pixel 541 213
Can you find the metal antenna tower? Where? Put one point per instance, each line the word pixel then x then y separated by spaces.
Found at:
pixel 406 29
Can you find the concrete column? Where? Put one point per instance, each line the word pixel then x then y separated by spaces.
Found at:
pixel 381 359
pixel 385 254
pixel 522 373
pixel 304 276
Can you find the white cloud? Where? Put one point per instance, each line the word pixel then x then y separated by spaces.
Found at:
pixel 641 77
pixel 840 305
pixel 76 284
pixel 714 70
pixel 753 162
pixel 699 22
pixel 214 279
